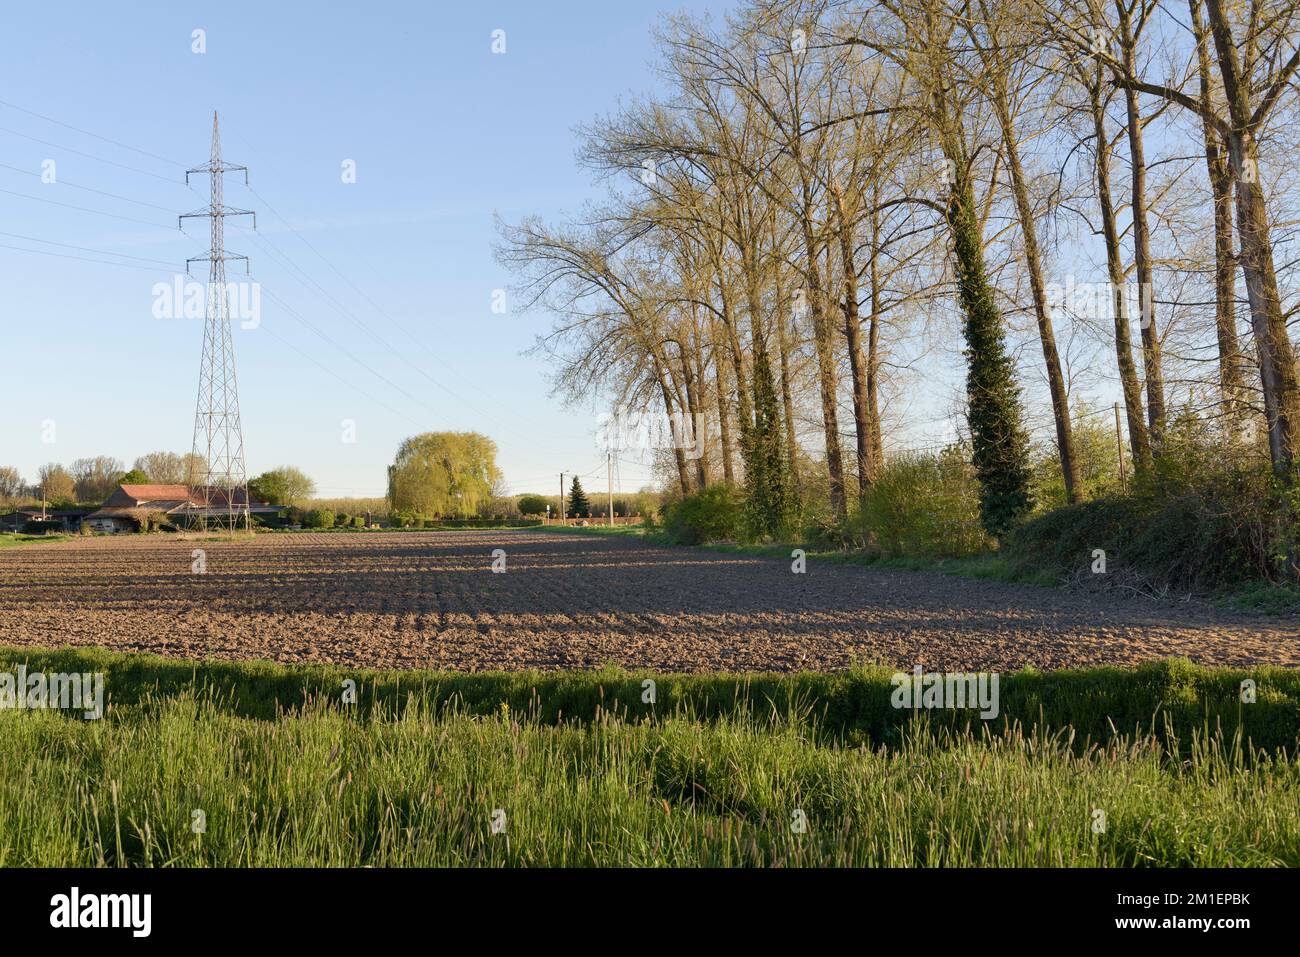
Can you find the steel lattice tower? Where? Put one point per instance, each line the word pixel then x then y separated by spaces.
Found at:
pixel 218 434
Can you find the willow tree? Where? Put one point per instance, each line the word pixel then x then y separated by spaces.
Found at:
pixel 443 473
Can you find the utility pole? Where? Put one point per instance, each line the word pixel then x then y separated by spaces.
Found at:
pixel 1119 448
pixel 218 433
pixel 609 469
pixel 563 513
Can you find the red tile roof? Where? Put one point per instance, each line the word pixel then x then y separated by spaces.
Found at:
pixel 153 493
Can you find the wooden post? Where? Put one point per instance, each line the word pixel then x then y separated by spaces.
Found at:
pixel 1119 448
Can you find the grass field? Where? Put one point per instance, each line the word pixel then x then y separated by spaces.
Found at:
pixel 10 540
pixel 577 769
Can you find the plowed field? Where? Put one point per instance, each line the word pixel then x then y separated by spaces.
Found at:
pixel 431 599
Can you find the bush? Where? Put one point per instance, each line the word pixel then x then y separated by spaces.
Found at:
pixel 532 505
pixel 1205 517
pixel 319 518
pixel 1095 455
pixel 923 505
pixel 155 521
pixel 342 519
pixel 713 514
pixel 358 521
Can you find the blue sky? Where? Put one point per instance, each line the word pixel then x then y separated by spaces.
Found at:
pixel 396 268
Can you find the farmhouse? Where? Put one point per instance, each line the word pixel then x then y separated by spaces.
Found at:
pixel 128 507
pixel 68 519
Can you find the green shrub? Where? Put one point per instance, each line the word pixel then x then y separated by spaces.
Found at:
pixel 358 521
pixel 319 518
pixel 713 514
pixel 155 521
pixel 532 505
pixel 1095 454
pixel 1205 516
pixel 923 505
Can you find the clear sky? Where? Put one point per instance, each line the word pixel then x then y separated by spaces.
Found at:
pixel 395 270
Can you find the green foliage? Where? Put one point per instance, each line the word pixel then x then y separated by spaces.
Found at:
pixel 706 776
pixel 134 477
pixel 377 508
pixel 443 473
pixel 58 485
pixel 646 503
pixel 715 513
pixel 999 441
pixel 770 500
pixel 1206 517
pixel 532 505
pixel 318 518
pixel 923 505
pixel 154 521
pixel 284 485
pixel 578 506
pixel 1095 453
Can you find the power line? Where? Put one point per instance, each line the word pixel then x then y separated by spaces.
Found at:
pixel 87 249
pixel 86 209
pixel 102 262
pixel 287 308
pixel 352 317
pixel 125 146
pixel 374 305
pixel 92 156
pixel 89 189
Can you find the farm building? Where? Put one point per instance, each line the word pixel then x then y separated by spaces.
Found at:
pixel 128 507
pixel 66 519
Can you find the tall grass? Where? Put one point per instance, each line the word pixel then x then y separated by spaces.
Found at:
pixel 414 787
pixel 718 773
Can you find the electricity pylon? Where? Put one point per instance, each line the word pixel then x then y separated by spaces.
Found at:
pixel 218 434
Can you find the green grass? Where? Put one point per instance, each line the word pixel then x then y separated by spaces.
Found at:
pixel 1266 597
pixel 10 540
pixel 587 774
pixel 983 567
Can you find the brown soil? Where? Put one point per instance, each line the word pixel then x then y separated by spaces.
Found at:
pixel 430 599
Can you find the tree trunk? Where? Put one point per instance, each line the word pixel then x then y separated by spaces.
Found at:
pixel 1042 311
pixel 1151 361
pixel 1139 439
pixel 1277 360
pixel 826 371
pixel 1231 374
pixel 724 415
pixel 873 349
pixel 853 333
pixel 679 454
pixel 1000 443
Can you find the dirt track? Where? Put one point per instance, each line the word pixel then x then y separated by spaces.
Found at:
pixel 430 599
